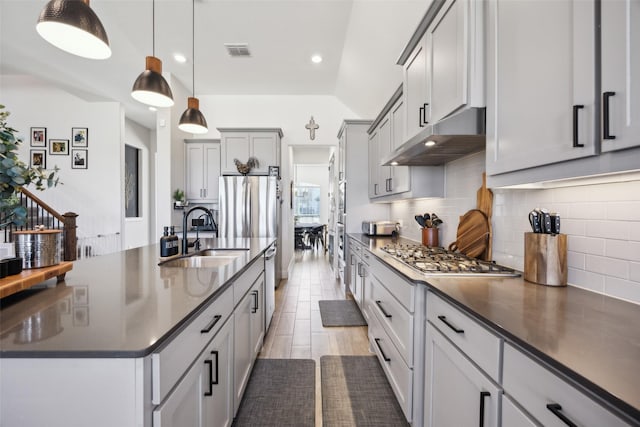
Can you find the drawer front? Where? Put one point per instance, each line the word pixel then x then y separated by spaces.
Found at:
pixel 512 416
pixel 356 247
pixel 394 319
pixel 242 285
pixel 547 397
pixel 169 363
pixel 401 289
pixel 400 376
pixel 478 343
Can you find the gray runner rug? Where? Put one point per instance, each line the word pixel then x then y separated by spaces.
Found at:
pixel 355 392
pixel 280 392
pixel 344 312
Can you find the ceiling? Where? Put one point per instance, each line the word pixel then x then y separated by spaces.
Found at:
pixel 359 40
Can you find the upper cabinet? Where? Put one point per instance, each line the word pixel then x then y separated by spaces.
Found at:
pixel 241 144
pixel 620 74
pixel 541 85
pixel 416 96
pixel 202 170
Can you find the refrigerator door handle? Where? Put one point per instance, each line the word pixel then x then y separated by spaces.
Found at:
pixel 270 254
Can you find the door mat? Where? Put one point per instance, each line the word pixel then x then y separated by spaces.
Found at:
pixel 355 392
pixel 280 392
pixel 343 312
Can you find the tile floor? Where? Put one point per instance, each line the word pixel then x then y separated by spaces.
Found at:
pixel 296 330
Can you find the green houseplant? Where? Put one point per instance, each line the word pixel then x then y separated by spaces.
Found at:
pixel 15 174
pixel 178 197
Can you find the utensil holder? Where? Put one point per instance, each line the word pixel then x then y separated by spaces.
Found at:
pixel 430 237
pixel 545 259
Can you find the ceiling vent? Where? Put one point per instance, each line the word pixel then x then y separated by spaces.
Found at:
pixel 237 49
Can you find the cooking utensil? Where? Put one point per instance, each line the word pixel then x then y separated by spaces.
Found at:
pixel 473 234
pixel 420 220
pixel 435 221
pixel 545 221
pixel 555 223
pixel 427 220
pixel 534 220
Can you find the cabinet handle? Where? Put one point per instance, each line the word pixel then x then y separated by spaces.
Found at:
pixel 210 326
pixel 384 356
pixel 557 411
pixel 424 113
pixel 483 394
pixel 379 304
pixel 210 364
pixel 420 116
pixel 375 189
pixel 576 108
pixel 605 115
pixel 446 322
pixel 255 296
pixel 215 353
pixel 360 270
pixel 352 261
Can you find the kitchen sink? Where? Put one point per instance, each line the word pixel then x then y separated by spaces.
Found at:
pixel 206 258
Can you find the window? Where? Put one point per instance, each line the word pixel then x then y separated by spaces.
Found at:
pixel 306 203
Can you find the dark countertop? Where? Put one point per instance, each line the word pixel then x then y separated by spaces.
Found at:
pixel 592 339
pixel 117 305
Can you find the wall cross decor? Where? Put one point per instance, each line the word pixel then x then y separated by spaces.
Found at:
pixel 312 126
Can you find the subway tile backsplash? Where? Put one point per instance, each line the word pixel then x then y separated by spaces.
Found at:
pixel 602 222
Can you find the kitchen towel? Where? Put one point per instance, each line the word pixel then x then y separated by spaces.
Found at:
pixel 341 313
pixel 355 392
pixel 280 392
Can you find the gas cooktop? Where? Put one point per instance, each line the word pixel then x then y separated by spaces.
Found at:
pixel 439 261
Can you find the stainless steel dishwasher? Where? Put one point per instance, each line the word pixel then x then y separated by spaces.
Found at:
pixel 270 284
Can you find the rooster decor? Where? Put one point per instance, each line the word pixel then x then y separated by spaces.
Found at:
pixel 245 168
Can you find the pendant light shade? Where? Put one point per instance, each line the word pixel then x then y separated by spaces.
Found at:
pixel 192 120
pixel 150 87
pixel 71 25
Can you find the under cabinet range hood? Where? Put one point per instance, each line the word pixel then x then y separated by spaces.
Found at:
pixel 453 137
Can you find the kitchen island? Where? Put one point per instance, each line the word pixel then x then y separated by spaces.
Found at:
pixel 84 351
pixel 584 339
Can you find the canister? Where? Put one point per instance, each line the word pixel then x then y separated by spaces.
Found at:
pixel 38 248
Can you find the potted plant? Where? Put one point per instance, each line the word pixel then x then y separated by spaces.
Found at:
pixel 15 174
pixel 178 198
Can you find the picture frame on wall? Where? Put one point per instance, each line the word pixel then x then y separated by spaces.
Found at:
pixel 38 137
pixel 38 159
pixel 79 159
pixel 79 137
pixel 59 147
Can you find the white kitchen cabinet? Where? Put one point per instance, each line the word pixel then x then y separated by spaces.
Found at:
pixel 513 416
pixel 263 144
pixel 416 93
pixel 457 393
pixel 203 397
pixel 375 186
pixel 541 102
pixel 248 336
pixel 549 399
pixel 202 170
pixel 620 35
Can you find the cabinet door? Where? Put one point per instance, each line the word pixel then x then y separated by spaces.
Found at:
pixel 384 148
pixel 457 393
pixel 512 416
pixel 400 175
pixel 235 145
pixel 242 344
pixel 195 171
pixel 416 97
pixel 257 317
pixel 211 171
pixel 218 393
pixel 263 146
pixel 541 83
pixel 448 42
pixel 375 189
pixel 620 74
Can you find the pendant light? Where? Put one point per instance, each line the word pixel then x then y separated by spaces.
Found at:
pixel 192 120
pixel 71 25
pixel 150 87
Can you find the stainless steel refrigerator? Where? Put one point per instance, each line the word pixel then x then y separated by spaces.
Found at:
pixel 250 206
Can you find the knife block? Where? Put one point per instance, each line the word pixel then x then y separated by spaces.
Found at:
pixel 545 259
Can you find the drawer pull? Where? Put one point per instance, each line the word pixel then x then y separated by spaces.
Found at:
pixel 576 108
pixel 255 299
pixel 210 326
pixel 215 353
pixel 446 322
pixel 210 364
pixel 557 411
pixel 605 115
pixel 384 356
pixel 483 394
pixel 379 304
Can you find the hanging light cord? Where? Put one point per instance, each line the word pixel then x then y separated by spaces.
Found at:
pixel 193 47
pixel 153 27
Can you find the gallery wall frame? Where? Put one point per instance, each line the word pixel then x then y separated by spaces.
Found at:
pixel 38 159
pixel 79 159
pixel 38 137
pixel 79 137
pixel 59 147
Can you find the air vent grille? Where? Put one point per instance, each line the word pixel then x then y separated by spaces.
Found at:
pixel 237 49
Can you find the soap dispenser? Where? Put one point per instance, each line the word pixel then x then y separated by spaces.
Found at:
pixel 175 244
pixel 165 243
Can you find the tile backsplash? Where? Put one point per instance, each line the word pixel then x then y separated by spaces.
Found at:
pixel 602 222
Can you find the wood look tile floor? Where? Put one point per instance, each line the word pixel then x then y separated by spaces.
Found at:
pixel 296 330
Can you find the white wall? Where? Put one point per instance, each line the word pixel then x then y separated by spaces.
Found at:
pixel 602 223
pixel 93 193
pixel 136 230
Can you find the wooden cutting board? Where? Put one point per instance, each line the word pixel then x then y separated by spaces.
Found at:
pixel 28 278
pixel 485 204
pixel 473 234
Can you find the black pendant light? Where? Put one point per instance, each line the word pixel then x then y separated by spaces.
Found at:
pixel 150 87
pixel 192 120
pixel 71 25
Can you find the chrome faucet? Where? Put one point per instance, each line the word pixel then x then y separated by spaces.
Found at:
pixel 196 243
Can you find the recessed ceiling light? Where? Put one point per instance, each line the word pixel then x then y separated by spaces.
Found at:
pixel 394 163
pixel 430 143
pixel 316 59
pixel 153 109
pixel 180 58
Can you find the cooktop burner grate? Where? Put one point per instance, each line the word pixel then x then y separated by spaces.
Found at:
pixel 439 261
